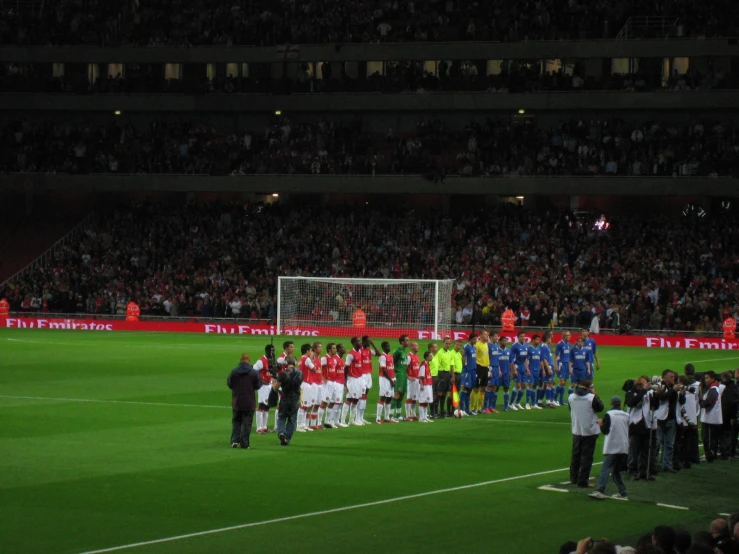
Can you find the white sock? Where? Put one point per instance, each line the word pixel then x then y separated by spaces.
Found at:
pixel 336 413
pixel 353 413
pixel 301 417
pixel 380 405
pixel 320 416
pixel 407 410
pixel 345 411
pixel 422 410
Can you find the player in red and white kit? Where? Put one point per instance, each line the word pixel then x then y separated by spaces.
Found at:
pixel 327 394
pixel 262 366
pixel 340 409
pixel 368 350
pixel 414 385
pixel 316 381
pixel 426 395
pixel 306 366
pixel 354 380
pixel 387 384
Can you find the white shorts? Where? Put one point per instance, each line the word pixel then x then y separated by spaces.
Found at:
pixel 306 395
pixel 263 394
pixel 337 392
pixel 414 389
pixel 387 389
pixel 355 387
pixel 427 394
pixel 367 381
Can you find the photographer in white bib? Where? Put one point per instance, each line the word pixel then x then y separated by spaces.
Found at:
pixel 615 426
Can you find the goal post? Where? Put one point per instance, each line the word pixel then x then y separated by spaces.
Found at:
pixel 328 306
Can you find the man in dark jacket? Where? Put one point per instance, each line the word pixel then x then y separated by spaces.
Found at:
pixel 243 382
pixel 289 380
pixel 729 408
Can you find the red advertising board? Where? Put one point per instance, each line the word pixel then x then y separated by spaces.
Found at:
pixel 676 341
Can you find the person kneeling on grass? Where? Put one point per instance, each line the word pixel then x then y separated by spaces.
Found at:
pixel 615 426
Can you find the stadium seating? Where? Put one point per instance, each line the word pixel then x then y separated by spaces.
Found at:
pixel 332 146
pixel 662 273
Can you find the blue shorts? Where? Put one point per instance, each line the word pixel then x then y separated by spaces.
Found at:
pixel 589 375
pixel 578 375
pixel 534 379
pixel 469 379
pixel 521 376
pixel 547 378
pixel 504 380
pixel 494 380
pixel 564 371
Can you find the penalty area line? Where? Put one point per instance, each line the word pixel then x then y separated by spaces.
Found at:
pixel 323 512
pixel 133 402
pixel 714 360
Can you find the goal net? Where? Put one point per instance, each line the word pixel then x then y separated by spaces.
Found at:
pixel 378 307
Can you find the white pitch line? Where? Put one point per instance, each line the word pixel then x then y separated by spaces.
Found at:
pixel 672 506
pixel 92 400
pixel 324 512
pixel 493 420
pixel 714 360
pixel 551 489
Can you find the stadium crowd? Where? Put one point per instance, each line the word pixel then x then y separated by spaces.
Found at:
pixel 721 537
pixel 483 147
pixel 219 260
pixel 405 77
pixel 199 22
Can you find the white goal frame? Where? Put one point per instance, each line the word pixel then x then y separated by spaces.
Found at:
pixel 442 291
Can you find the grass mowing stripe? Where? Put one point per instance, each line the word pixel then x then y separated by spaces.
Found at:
pixel 92 400
pixel 324 512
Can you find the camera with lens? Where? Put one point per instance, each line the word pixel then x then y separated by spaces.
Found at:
pixel 271 360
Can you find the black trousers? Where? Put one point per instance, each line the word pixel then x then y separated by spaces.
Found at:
pixel 241 427
pixel 711 434
pixel 686 447
pixel 583 449
pixel 287 416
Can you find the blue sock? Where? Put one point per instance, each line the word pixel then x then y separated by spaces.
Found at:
pixel 530 394
pixel 488 397
pixel 540 394
pixel 506 398
pixel 520 396
pixel 561 394
pixel 493 400
pixel 569 392
pixel 465 398
pixel 550 394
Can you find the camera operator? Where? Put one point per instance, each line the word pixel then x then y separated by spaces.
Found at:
pixel 711 415
pixel 641 403
pixel 686 415
pixel 584 405
pixel 729 405
pixel 289 380
pixel 666 394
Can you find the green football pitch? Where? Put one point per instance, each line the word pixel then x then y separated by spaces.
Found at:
pixel 120 442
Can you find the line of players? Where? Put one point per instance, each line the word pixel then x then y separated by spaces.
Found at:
pixel 336 383
pixel 532 367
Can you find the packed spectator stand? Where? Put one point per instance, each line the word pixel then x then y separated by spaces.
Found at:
pixel 221 260
pixel 199 22
pixel 332 146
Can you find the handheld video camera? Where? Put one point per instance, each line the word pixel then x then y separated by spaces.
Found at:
pixel 271 360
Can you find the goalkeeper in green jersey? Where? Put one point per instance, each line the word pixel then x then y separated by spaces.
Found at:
pixel 400 359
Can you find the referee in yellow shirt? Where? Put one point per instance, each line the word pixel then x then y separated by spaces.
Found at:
pixel 443 379
pixel 483 363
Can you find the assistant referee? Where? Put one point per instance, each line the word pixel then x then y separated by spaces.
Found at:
pixel 443 379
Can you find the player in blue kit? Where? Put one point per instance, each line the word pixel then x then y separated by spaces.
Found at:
pixel 562 366
pixel 469 374
pixel 491 392
pixel 592 348
pixel 504 365
pixel 520 358
pixel 534 375
pixel 547 369
pixel 579 362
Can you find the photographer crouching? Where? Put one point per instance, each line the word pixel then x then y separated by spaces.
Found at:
pixel 289 380
pixel 641 403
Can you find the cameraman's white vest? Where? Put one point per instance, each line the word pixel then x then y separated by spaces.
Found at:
pixel 617 439
pixel 663 410
pixel 584 419
pixel 642 411
pixel 691 412
pixel 715 416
